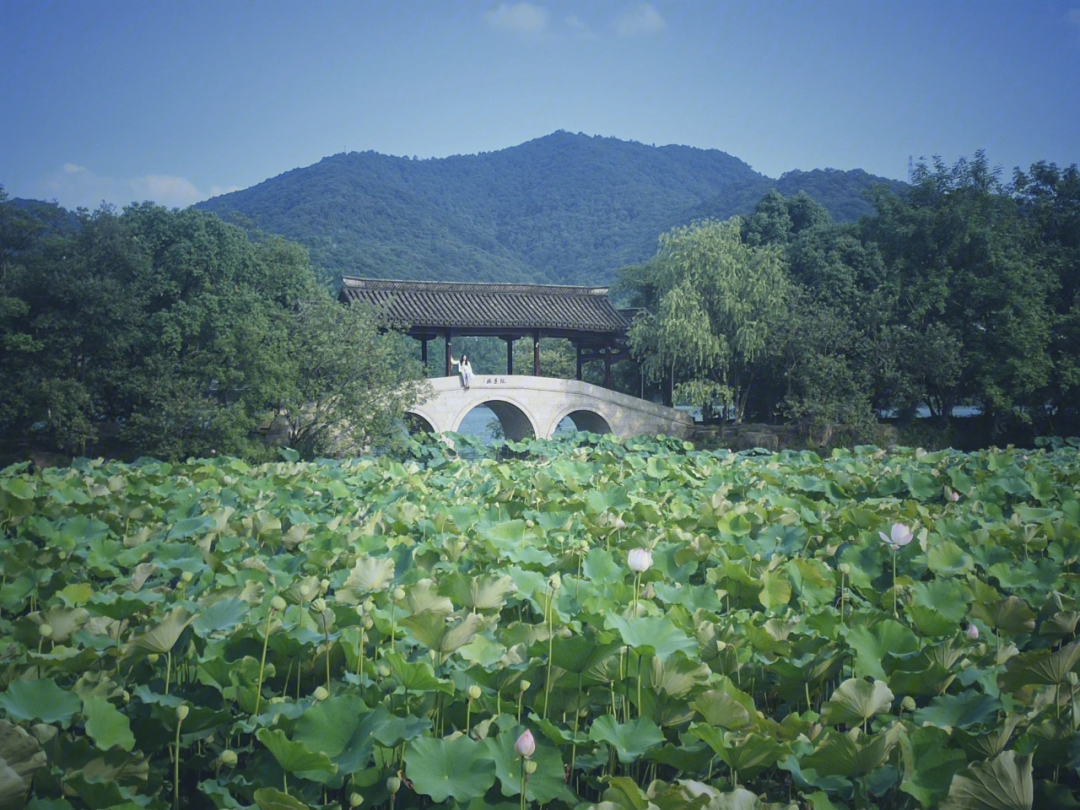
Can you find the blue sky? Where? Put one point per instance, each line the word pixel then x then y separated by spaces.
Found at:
pixel 178 100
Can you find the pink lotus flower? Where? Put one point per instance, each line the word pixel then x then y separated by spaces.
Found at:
pixel 525 745
pixel 972 632
pixel 640 560
pixel 899 535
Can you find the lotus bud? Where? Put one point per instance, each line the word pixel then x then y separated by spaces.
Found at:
pixel 756 558
pixel 45 630
pixel 320 693
pixel 525 745
pixel 359 611
pixel 845 569
pixel 393 785
pixel 474 692
pixel 278 604
pixel 530 767
pixel 277 699
pixel 319 605
pixel 555 582
pixel 639 560
pixel 228 758
pixel 908 704
pixel 954 496
pixel 182 712
pixel 324 584
pixel 368 605
pixel 530 524
pixel 523 686
pixel 383 671
pixel 399 594
pixel 125 696
pixel 355 800
pixel 368 623
pixel 972 632
pixel 153 658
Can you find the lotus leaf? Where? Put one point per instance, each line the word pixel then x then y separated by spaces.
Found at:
pixel 295 757
pixel 343 728
pixel 163 637
pixel 1003 783
pixel 40 700
pixel 651 635
pixel 876 647
pixel 1041 667
pixel 434 632
pixel 856 701
pixel 630 740
pixel 946 559
pixel 745 754
pixel 20 757
pixel 851 754
pixel 1011 616
pixel 106 725
pixel 929 764
pixel 964 710
pixel 457 768
pixel 272 799
pixel 478 593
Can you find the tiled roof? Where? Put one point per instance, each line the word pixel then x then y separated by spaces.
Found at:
pixel 464 306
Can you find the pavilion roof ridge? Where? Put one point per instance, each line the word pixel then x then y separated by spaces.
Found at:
pixel 466 287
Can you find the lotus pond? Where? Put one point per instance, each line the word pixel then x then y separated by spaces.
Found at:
pixel 673 629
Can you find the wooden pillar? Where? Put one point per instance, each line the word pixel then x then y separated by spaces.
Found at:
pixel 578 347
pixel 449 335
pixel 423 353
pixel 509 355
pixel 536 352
pixel 607 367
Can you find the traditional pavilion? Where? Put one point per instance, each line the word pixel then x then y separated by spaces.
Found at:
pixel 440 309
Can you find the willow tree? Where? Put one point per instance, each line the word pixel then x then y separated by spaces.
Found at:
pixel 713 301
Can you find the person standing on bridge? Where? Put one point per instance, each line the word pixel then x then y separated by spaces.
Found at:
pixel 465 367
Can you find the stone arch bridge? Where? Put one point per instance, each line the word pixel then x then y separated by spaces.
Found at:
pixel 529 406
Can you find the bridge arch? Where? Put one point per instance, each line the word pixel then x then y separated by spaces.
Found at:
pixel 584 419
pixel 517 423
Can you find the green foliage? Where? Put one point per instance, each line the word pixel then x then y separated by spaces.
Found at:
pixel 430 613
pixel 562 209
pixel 170 333
pixel 716 300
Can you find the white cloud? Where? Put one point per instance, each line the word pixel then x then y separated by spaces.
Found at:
pixel 73 186
pixel 580 28
pixel 521 18
pixel 642 19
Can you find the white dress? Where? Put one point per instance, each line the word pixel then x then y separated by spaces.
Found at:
pixel 465 367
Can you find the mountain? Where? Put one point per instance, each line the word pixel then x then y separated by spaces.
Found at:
pixel 562 209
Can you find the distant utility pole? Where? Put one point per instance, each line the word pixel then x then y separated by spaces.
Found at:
pixel 910 168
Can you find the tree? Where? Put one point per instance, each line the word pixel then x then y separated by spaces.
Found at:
pixel 352 379
pixel 716 301
pixel 972 296
pixel 168 333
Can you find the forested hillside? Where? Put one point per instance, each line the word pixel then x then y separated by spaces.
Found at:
pixel 559 209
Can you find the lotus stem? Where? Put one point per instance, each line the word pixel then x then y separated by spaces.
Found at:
pixel 326 635
pixel 168 670
pixel 551 640
pixel 262 661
